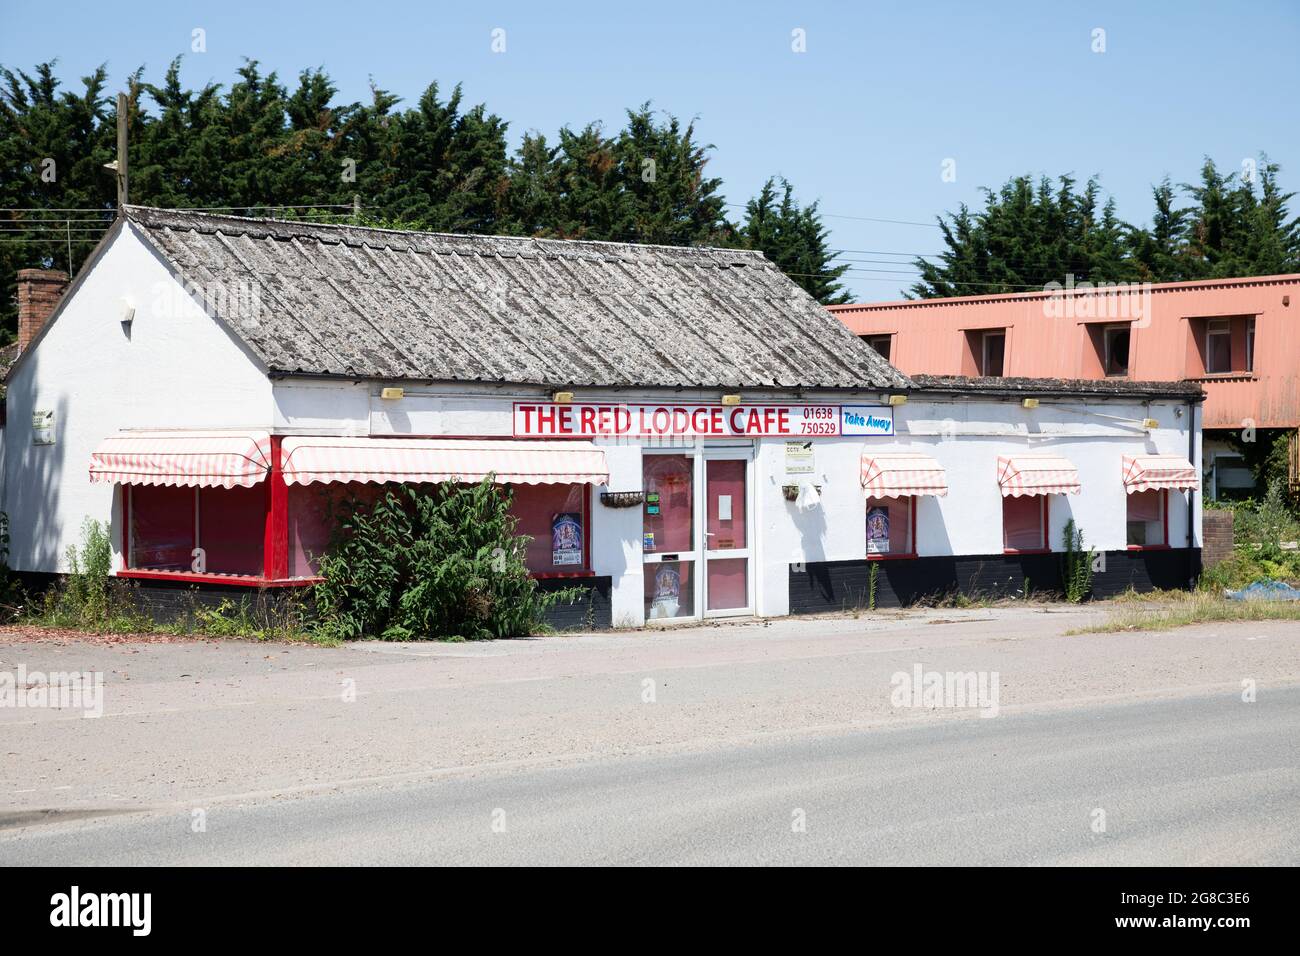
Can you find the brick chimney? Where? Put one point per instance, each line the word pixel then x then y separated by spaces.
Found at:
pixel 39 291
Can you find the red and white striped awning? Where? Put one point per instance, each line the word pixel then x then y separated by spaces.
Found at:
pixel 307 460
pixel 1020 475
pixel 902 475
pixel 1144 472
pixel 207 459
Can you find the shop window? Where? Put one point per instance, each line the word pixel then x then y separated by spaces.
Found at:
pixel 881 343
pixel 314 512
pixel 1218 346
pixel 669 590
pixel 232 523
pixel 669 507
pixel 162 528
pixel 1116 339
pixel 168 523
pixel 1146 518
pixel 555 518
pixel 889 527
pixel 1024 523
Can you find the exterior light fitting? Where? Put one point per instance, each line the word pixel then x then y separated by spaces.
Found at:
pixel 392 394
pixel 1150 423
pixel 897 400
pixel 732 399
pixel 1029 402
pixel 562 398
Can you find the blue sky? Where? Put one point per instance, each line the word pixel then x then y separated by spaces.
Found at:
pixel 863 120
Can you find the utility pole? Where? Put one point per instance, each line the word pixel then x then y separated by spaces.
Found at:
pixel 121 152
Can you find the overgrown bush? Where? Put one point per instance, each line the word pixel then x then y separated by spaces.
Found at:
pixel 1076 572
pixel 11 593
pixel 1259 530
pixel 90 598
pixel 442 562
pixel 264 617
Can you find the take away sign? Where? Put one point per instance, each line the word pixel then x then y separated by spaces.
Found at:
pixel 589 420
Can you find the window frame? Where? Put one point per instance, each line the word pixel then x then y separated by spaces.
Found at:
pixel 1107 332
pixel 871 338
pixel 195 577
pixel 1164 524
pixel 985 337
pixel 1250 344
pixel 587 570
pixel 1218 328
pixel 913 502
pixel 1044 518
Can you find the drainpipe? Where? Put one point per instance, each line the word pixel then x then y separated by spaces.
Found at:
pixel 1191 500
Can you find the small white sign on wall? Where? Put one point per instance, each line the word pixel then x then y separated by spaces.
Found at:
pixel 799 458
pixel 43 428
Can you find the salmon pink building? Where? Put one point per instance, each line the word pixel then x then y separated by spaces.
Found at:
pixel 1239 339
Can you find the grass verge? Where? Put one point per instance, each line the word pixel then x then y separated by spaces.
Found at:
pixel 1179 609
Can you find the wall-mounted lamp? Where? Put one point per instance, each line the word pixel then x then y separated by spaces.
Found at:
pixel 562 398
pixel 392 394
pixel 1029 402
pixel 1150 423
pixel 730 399
pixel 897 400
pixel 128 315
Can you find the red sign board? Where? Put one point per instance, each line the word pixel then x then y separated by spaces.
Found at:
pixel 549 420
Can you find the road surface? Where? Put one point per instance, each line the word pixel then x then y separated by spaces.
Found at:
pixel 752 743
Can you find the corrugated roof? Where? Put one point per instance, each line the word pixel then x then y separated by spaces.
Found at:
pixel 376 303
pixel 1014 385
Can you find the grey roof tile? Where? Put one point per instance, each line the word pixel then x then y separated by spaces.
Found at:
pixel 376 303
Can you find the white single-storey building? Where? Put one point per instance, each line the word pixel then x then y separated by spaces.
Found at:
pixel 686 431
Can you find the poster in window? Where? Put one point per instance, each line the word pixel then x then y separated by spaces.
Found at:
pixel 877 530
pixel 667 594
pixel 566 539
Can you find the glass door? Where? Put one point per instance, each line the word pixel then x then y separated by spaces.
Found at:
pixel 727 550
pixel 668 538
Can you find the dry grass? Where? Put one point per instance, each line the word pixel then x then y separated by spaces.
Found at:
pixel 1170 609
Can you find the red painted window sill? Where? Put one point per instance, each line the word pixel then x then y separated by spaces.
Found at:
pixel 540 575
pixel 1148 547
pixel 242 580
pixel 890 557
pixel 1027 551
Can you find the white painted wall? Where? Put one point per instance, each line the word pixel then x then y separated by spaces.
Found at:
pixel 177 368
pixel 966 436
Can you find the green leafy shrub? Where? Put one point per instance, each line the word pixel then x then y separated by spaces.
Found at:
pixel 437 563
pixel 90 598
pixel 1259 529
pixel 265 616
pixel 11 593
pixel 1076 573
